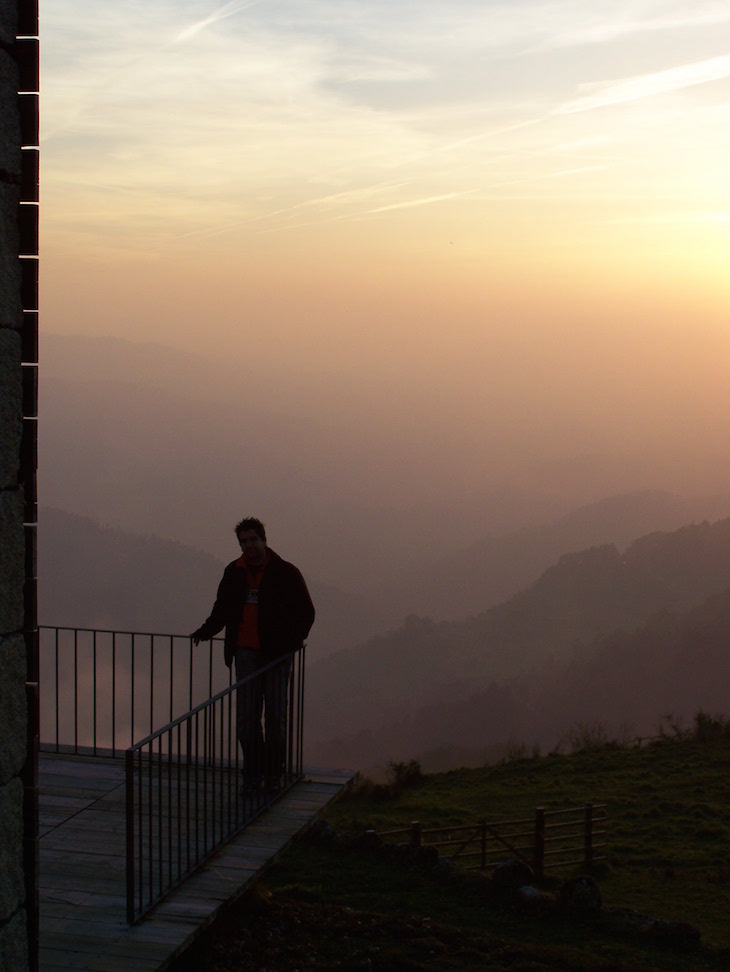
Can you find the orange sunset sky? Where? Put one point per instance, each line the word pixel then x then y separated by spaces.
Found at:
pixel 479 233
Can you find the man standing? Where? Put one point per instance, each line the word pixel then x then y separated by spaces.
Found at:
pixel 265 607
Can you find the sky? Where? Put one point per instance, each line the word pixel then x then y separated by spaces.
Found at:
pixel 472 235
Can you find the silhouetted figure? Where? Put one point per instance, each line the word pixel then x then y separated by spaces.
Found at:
pixel 265 607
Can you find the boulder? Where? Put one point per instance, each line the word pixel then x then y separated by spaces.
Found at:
pixel 511 875
pixel 580 896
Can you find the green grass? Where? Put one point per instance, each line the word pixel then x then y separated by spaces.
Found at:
pixel 668 806
pixel 326 905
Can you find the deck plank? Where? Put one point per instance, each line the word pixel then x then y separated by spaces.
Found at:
pixel 82 885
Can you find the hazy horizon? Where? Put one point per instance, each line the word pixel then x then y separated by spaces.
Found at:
pixel 155 441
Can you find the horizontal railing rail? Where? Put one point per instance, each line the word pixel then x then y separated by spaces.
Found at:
pixel 102 689
pixel 567 837
pixel 190 786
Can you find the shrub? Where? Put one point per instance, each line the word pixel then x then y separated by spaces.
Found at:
pixel 401 775
pixel 710 727
pixel 589 737
pixel 672 727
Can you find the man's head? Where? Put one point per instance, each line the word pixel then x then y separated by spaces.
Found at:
pixel 252 538
pixel 251 523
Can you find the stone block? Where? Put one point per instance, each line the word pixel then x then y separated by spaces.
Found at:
pixel 8 20
pixel 12 877
pixel 9 119
pixel 12 562
pixel 14 944
pixel 13 705
pixel 11 407
pixel 11 305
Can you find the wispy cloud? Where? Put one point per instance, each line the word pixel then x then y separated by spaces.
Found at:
pixel 583 26
pixel 641 86
pixel 670 218
pixel 227 10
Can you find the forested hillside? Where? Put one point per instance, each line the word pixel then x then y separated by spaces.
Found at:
pixel 621 638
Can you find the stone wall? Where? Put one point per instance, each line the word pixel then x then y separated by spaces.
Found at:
pixel 18 416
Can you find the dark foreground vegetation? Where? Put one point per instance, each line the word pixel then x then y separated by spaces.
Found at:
pixel 334 904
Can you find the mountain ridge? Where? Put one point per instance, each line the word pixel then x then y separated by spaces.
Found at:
pixel 557 621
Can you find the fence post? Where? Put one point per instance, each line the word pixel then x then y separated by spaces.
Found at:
pixel 539 860
pixel 588 837
pixel 484 845
pixel 416 834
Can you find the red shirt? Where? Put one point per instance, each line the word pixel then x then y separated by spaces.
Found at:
pixel 248 629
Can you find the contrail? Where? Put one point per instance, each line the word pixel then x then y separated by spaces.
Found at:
pixel 227 10
pixel 647 85
pixel 425 201
pixel 336 197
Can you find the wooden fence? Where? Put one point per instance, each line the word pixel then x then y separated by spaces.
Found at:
pixel 551 839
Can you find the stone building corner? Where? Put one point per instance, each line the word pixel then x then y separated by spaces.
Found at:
pixel 19 85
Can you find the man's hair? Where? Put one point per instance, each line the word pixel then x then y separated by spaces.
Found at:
pixel 251 523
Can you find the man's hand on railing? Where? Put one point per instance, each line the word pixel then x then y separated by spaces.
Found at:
pixel 196 636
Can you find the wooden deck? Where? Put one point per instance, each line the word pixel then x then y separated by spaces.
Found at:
pixel 82 868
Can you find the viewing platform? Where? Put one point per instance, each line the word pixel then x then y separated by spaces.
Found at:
pixel 142 843
pixel 83 901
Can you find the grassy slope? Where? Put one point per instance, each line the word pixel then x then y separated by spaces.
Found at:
pixel 669 847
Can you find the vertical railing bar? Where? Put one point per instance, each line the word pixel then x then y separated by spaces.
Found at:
pixel 226 760
pixel 291 725
pixel 76 690
pixel 169 807
pixel 150 822
pixel 205 775
pixel 152 684
pixel 189 747
pixel 172 679
pixel 211 746
pixel 210 668
pixel 160 834
pixel 190 675
pixel 220 773
pixel 300 721
pixel 129 817
pixel 179 803
pixel 197 787
pixel 93 703
pixel 217 799
pixel 114 693
pixel 132 684
pixel 221 768
pixel 236 757
pixel 58 730
pixel 141 831
pixel 232 813
pixel 225 767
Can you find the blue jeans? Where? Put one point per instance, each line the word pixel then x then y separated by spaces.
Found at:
pixel 264 756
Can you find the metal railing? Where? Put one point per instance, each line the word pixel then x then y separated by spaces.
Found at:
pixel 186 794
pixel 104 689
pixel 552 838
pixel 189 789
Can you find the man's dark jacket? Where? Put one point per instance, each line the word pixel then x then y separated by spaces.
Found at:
pixel 286 612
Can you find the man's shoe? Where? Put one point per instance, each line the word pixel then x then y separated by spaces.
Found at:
pixel 250 791
pixel 275 785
